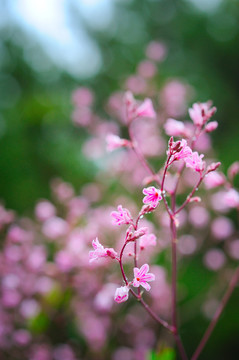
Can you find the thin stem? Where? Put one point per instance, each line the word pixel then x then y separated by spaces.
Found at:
pixel 135 249
pixel 162 187
pixel 191 194
pixel 226 297
pixel 174 273
pixel 120 262
pixel 155 317
pixel 174 290
pixel 139 153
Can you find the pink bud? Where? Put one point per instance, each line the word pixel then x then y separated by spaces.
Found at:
pixel 121 294
pixel 213 167
pixel 233 170
pixel 195 199
pixel 211 126
pixel 115 142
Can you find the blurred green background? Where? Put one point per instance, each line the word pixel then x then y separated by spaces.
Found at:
pixel 47 49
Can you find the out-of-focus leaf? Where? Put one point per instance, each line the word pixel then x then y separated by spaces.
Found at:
pixel 165 354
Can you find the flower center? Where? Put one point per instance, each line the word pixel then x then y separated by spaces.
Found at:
pixel 138 279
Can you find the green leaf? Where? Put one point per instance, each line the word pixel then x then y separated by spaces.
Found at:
pixel 165 354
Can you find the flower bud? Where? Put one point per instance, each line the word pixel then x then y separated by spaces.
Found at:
pixel 211 126
pixel 213 167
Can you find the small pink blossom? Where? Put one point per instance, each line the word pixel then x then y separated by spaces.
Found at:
pixel 100 251
pixel 213 167
pixel 195 199
pixel 179 150
pixel 82 96
pixel 175 128
pixel 211 126
pixel 147 240
pixel 200 113
pixel 147 69
pixel 142 276
pixel 44 210
pixel 156 51
pixel 122 216
pixel 121 294
pixel 115 142
pixel 195 162
pixel 137 234
pixel 133 110
pixel 55 227
pixel 233 170
pixel 153 196
pixel 231 198
pixel 214 179
pixel 146 110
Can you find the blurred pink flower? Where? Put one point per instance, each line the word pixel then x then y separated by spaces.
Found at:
pixel 55 227
pixel 147 69
pixel 44 210
pixel 121 294
pixel 146 110
pixel 211 126
pixel 213 179
pixel 100 251
pixel 153 196
pixel 22 337
pixel 142 276
pixel 122 216
pixel 136 84
pixel 82 97
pixel 200 113
pixel 231 198
pixel 147 240
pixel 115 142
pixel 214 259
pixel 135 110
pixel 195 162
pixel 156 51
pixel 175 128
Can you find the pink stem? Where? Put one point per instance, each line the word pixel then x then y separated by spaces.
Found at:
pixel 162 187
pixel 190 195
pixel 140 156
pixel 226 297
pixel 139 297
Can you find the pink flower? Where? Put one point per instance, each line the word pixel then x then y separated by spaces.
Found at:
pixel 115 142
pixel 121 294
pixel 44 210
pixel 214 179
pixel 137 234
pixel 200 113
pixel 100 251
pixel 153 196
pixel 141 277
pixel 178 150
pixel 147 240
pixel 146 109
pixel 156 51
pixel 175 128
pixel 233 170
pixel 231 198
pixel 133 110
pixel 122 216
pixel 195 162
pixel 211 126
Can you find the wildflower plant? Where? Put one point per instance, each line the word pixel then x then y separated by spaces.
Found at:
pixel 181 155
pixel 99 260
